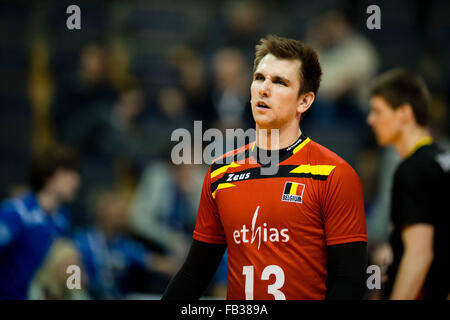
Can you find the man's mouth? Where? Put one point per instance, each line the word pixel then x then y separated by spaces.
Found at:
pixel 262 104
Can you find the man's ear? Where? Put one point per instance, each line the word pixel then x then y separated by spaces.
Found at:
pixel 406 113
pixel 305 101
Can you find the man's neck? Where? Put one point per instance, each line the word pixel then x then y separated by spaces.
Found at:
pixel 47 201
pixel 409 139
pixel 275 139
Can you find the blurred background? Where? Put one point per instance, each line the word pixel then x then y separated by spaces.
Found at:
pixel 116 89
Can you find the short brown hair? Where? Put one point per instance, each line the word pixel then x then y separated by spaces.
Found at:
pixel 284 48
pixel 44 163
pixel 399 87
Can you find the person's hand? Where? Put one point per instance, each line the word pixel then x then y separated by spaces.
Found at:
pixel 382 256
pixel 163 265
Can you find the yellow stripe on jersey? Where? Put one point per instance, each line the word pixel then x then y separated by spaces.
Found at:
pixel 253 146
pixel 224 169
pixel 222 186
pixel 322 170
pixel 422 142
pixel 293 190
pixel 301 145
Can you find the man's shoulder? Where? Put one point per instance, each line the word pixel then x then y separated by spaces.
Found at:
pixel 427 162
pixel 231 156
pixel 433 157
pixel 321 155
pixel 323 160
pixel 19 206
pixel 14 215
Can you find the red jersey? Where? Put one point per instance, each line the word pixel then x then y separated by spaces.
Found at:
pixel 277 227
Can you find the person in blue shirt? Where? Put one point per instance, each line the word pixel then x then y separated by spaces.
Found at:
pixel 111 257
pixel 29 224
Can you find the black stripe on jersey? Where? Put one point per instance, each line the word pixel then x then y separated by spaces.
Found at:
pixel 241 156
pixel 245 154
pixel 287 189
pixel 284 171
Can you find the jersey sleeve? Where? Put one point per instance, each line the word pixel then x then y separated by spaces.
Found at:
pixel 343 207
pixel 10 224
pixel 208 226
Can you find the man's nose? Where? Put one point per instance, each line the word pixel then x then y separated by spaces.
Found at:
pixel 264 90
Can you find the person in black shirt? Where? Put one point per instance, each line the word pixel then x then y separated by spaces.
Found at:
pixel 419 209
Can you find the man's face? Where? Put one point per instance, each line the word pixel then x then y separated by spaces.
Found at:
pixel 385 121
pixel 111 211
pixel 64 183
pixel 274 93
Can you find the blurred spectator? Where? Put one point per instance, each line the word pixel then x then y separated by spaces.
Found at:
pixel 230 94
pixel 173 109
pixel 164 212
pixel 191 70
pixel 29 224
pixel 128 108
pixel 110 257
pixel 83 100
pixel 126 131
pixel 348 61
pixel 171 112
pixel 243 24
pixel 165 206
pixel 50 282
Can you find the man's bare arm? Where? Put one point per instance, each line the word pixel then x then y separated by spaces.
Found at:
pixel 416 261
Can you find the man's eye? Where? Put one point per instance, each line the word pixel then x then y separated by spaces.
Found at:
pixel 259 77
pixel 280 82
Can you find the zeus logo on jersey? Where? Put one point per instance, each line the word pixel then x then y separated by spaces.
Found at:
pixel 293 192
pixel 259 233
pixel 238 177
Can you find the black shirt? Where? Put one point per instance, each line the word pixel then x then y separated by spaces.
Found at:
pixel 421 191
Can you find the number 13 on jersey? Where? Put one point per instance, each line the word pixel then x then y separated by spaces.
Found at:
pixel 273 289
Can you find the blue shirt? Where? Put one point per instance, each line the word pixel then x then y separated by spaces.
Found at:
pixel 108 262
pixel 26 234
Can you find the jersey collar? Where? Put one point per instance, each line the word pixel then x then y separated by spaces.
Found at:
pixel 284 153
pixel 425 141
